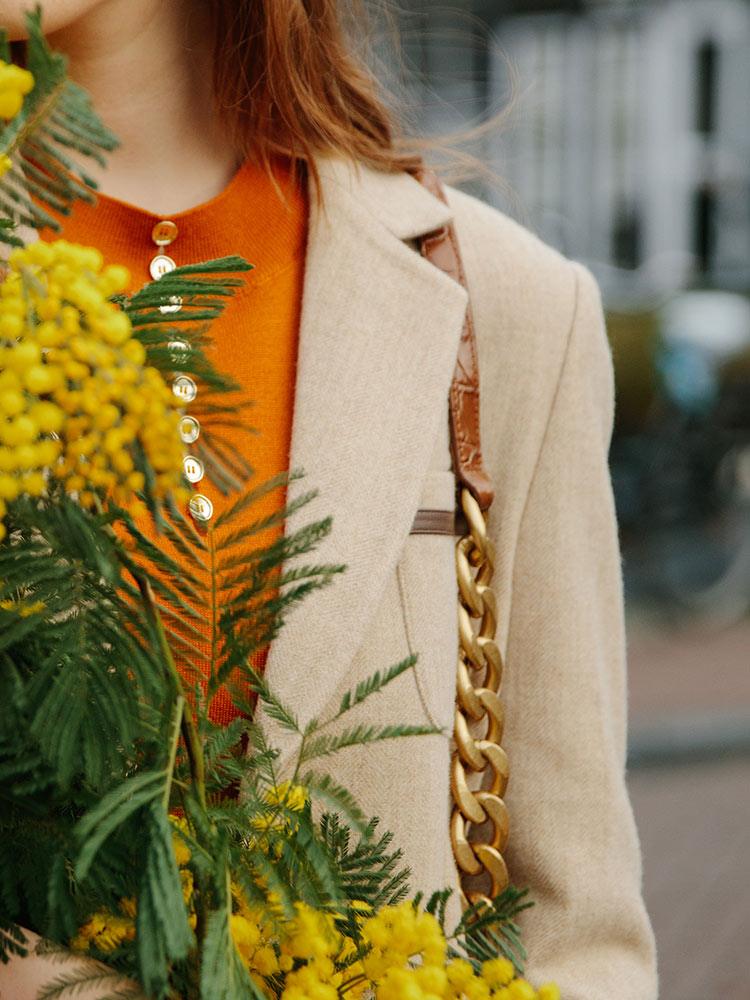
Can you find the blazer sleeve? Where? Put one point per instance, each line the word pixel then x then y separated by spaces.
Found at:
pixel 573 838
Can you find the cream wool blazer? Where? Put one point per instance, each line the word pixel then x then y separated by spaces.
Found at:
pixel 379 335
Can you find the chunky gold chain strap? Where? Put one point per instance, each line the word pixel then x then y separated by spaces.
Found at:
pixel 479 769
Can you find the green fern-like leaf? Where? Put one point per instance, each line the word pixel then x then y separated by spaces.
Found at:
pixel 223 975
pixel 81 667
pixel 202 292
pixel 222 598
pixel 12 940
pixel 370 871
pixel 163 931
pixel 437 905
pixel 484 932
pixel 374 684
pixel 329 793
pixel 328 744
pixel 112 811
pixel 89 976
pixel 178 341
pixel 49 141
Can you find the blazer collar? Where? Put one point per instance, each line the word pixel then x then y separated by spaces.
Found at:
pixel 396 201
pixel 379 334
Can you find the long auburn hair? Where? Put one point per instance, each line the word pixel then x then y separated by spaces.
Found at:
pixel 288 82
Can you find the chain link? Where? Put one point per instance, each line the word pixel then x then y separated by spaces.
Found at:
pixel 479 768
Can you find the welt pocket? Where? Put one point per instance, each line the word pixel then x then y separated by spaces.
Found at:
pixel 428 587
pixel 428 591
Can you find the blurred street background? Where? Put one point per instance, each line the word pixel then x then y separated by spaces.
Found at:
pixel 624 141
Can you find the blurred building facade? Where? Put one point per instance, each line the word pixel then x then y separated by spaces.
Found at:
pixel 628 145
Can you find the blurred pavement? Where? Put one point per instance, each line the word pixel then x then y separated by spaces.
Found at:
pixel 689 780
pixel 689 693
pixel 694 824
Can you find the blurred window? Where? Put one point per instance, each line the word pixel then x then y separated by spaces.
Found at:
pixel 706 81
pixel 704 228
pixel 626 236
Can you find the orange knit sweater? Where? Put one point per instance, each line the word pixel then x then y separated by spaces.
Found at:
pixel 255 341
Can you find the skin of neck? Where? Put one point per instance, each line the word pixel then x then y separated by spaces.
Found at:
pixel 147 65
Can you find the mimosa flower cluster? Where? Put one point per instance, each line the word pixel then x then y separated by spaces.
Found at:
pixel 403 954
pixel 15 84
pixel 106 932
pixel 400 953
pixel 78 403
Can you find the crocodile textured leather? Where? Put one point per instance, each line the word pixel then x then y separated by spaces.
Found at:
pixel 441 249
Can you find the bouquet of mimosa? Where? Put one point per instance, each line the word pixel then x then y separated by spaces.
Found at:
pixel 163 849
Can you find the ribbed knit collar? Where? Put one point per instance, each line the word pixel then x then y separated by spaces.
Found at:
pixel 249 217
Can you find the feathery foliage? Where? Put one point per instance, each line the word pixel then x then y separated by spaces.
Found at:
pixel 49 141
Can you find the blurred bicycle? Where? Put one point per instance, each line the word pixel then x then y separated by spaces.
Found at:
pixel 682 481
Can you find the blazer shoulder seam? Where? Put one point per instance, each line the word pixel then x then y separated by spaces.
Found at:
pixel 470 212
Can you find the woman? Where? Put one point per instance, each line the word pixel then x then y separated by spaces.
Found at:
pixel 373 331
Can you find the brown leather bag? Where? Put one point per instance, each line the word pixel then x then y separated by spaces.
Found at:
pixel 479 767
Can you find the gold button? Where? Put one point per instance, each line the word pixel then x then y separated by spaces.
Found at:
pixel 185 389
pixel 179 350
pixel 164 233
pixel 161 265
pixel 190 430
pixel 193 468
pixel 175 304
pixel 200 507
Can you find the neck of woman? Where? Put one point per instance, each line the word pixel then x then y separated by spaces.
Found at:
pixel 147 65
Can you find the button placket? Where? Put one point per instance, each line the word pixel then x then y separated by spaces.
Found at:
pixel 184 388
pixel 160 265
pixel 200 507
pixel 164 234
pixel 189 430
pixel 179 350
pixel 193 467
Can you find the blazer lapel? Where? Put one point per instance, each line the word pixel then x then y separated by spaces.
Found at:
pixel 378 340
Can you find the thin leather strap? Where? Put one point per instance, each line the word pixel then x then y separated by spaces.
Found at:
pixel 441 249
pixel 434 522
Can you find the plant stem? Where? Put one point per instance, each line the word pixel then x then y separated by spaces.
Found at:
pixel 193 745
pixel 188 726
pixel 350 984
pixel 179 711
pixel 214 611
